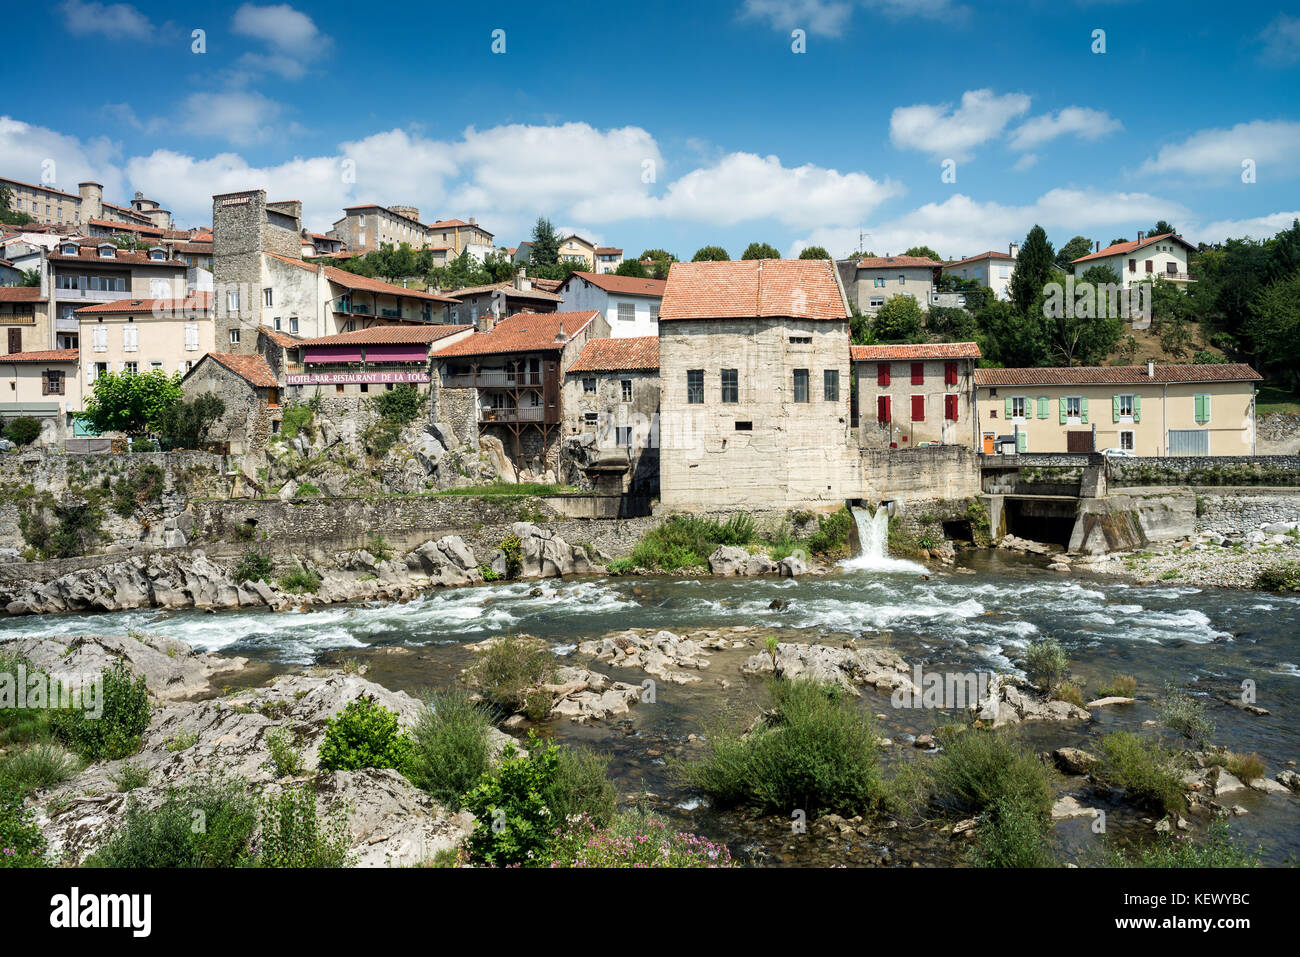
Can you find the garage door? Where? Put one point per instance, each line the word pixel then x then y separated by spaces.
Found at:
pixel 1189 441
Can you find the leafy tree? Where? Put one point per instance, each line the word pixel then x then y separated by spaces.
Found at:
pixel 9 216
pixel 498 266
pixel 1160 228
pixel 1011 337
pixel 815 252
pixel 1076 247
pixel 1274 327
pixel 925 251
pixel 1033 269
pixel 1121 239
pixel 899 320
pixel 23 430
pixel 760 251
pixel 545 250
pixel 633 268
pixel 130 403
pixel 31 277
pixel 662 261
pixel 459 273
pixel 951 323
pixel 185 424
pixel 710 254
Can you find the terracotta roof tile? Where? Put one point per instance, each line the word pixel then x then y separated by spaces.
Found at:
pixel 1117 375
pixel 616 355
pixel 926 350
pixel 388 334
pixel 252 369
pixel 797 288
pixel 21 294
pixel 49 355
pixel 199 302
pixel 510 290
pixel 283 339
pixel 1119 249
pixel 364 283
pixel 624 285
pixel 522 332
pixel 895 262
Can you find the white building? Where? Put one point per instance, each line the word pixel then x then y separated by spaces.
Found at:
pixel 991 269
pixel 1143 260
pixel 629 305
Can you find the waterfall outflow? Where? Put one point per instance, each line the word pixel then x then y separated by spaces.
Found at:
pixel 873 536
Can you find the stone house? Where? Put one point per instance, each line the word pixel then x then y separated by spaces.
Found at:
pixel 1146 410
pixel 515 372
pixel 136 335
pixel 611 402
pixel 754 399
pixel 630 306
pixel 874 280
pixel 251 394
pixel 484 306
pixel 911 395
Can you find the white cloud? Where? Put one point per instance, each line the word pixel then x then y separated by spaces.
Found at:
pixel 945 132
pixel 241 117
pixel 35 154
pixel 1079 121
pixel 291 37
pixel 1261 227
pixel 1281 40
pixel 115 20
pixel 829 18
pixel 1028 161
pixel 1274 145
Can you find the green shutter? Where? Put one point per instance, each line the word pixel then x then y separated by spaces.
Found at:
pixel 1043 403
pixel 1009 412
pixel 1060 404
pixel 1202 408
pixel 1114 408
pixel 1083 410
pixel 1137 408
pixel 1022 442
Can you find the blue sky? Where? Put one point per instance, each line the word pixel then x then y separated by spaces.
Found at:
pixel 680 124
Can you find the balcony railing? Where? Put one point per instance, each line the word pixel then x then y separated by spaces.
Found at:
pixel 536 414
pixel 97 295
pixel 492 380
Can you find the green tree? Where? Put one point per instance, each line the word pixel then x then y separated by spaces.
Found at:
pixel 925 251
pixel 185 424
pixel 1122 239
pixel 545 250
pixel 11 217
pixel 1010 337
pixel 129 403
pixel 31 277
pixel 1160 228
pixel 1033 269
pixel 899 320
pixel 815 252
pixel 661 259
pixel 633 268
pixel 710 254
pixel 760 251
pixel 1076 247
pixel 1274 328
pixel 498 266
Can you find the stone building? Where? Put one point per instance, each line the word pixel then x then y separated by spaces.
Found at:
pixel 48 204
pixel 754 372
pixel 250 391
pixel 911 395
pixel 611 403
pixel 484 306
pixel 874 280
pixel 515 372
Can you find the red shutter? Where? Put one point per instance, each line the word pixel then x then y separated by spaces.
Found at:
pixel 918 408
pixel 882 408
pixel 950 408
pixel 882 373
pixel 950 373
pixel 918 373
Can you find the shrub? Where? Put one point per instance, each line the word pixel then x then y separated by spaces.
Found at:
pixel 296 419
pixel 509 673
pixel 1182 713
pixel 1046 664
pixel 21 842
pixel 687 541
pixel 1143 769
pixel 77 527
pixel 581 788
pixel 364 735
pixel 116 733
pixel 38 766
pixel 979 771
pixel 1177 850
pixel 286 758
pixel 451 748
pixel 299 580
pixel 1245 767
pixel 207 824
pixel 816 752
pixel 513 824
pixel 143 486
pixel 1013 834
pixel 306 489
pixel 1281 577
pixel 513 549
pixel 292 835
pixel 21 725
pixel 129 777
pixel 23 430
pixel 400 404
pixel 1071 692
pixel 1121 686
pixel 633 839
pixel 254 566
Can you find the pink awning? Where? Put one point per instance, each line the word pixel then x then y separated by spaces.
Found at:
pixel 397 352
pixel 331 354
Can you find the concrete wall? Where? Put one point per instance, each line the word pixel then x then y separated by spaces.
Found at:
pixel 934 472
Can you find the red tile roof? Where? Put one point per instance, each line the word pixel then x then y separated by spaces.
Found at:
pixel 546 285
pixel 618 355
pixel 925 350
pixel 199 302
pixel 510 291
pixel 129 227
pixel 90 251
pixel 523 332
pixel 199 249
pixel 49 355
pixel 623 285
pixel 388 334
pixel 893 262
pixel 797 288
pixel 1119 249
pixel 350 280
pixel 991 254
pixel 252 369
pixel 21 294
pixel 283 339
pixel 48 189
pixel 608 251
pixel 1117 375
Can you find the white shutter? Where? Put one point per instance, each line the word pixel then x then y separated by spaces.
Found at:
pixel 130 338
pixel 191 336
pixel 159 289
pixel 101 338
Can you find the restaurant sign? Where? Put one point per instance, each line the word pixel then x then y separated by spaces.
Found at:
pixel 348 378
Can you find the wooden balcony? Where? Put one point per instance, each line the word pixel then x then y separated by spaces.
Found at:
pixel 512 416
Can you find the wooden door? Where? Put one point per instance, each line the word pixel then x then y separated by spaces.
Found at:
pixel 15 340
pixel 1078 440
pixel 988 443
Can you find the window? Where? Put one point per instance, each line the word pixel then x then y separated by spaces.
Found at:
pixel 1202 401
pixel 130 367
pixel 232 301
pixel 1126 440
pixel 155 364
pixel 918 373
pixel 157 255
pixel 589 385
pixel 276 323
pixel 1125 406
pixel 950 407
pixel 1073 407
pixel 234 337
pixel 99 338
pixel 801 340
pixel 130 338
pixel 882 373
pixel 902 280
pixel 884 409
pixel 52 382
pixel 695 386
pixel 623 436
pixel 744 426
pixel 950 373
pixel 1149 265
pixel 730 385
pixel 831 385
pixel 626 312
pixel 590 419
pixel 293 324
pixel 801 385
pixel 877 301
pixel 654 312
pixel 918 408
pixel 107 252
pixel 1016 407
pixel 879 282
pixel 627 389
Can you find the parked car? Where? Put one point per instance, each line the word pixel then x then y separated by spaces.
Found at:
pixel 1119 453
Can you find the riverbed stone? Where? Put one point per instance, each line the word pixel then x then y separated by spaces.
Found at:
pixel 1110 700
pixel 1075 760
pixel 1011 700
pixel 847 668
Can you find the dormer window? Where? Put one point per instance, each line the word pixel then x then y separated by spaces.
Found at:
pixel 157 253
pixel 69 249
pixel 107 251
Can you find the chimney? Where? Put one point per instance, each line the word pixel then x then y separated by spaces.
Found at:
pixel 1099 245
pixel 473 221
pixel 522 282
pixel 1151 368
pixel 1014 249
pixel 1139 235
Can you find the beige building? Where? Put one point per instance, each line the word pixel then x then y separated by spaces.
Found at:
pixel 913 395
pixel 991 269
pixel 575 249
pixel 368 226
pixel 608 259
pixel 368 360
pixel 139 335
pixel 1149 257
pixel 1146 410
pixel 873 281
pixel 46 204
pixel 24 319
pixel 43 385
pixel 754 399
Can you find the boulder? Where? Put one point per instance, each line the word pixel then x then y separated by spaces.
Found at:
pixel 848 668
pixel 792 566
pixel 1290 779
pixel 1074 760
pixel 448 561
pixel 544 554
pixel 728 560
pixel 1107 702
pixel 1011 700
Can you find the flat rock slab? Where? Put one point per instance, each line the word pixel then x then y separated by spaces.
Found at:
pixel 1107 702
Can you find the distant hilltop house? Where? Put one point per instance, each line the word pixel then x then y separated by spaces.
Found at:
pixel 991 269
pixel 1146 258
pixel 50 205
pixel 367 226
pixel 874 280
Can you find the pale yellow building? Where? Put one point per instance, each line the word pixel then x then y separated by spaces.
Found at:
pixel 138 335
pixel 1145 410
pixel 42 385
pixel 24 319
pixel 575 249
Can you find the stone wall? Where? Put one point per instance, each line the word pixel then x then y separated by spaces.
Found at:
pixel 1206 470
pixel 932 472
pixel 1236 511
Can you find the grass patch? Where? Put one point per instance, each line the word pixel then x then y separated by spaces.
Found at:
pixel 1218 849
pixel 1119 686
pixel 1284 576
pixel 511 490
pixel 38 766
pixel 1144 769
pixel 299 580
pixel 508 674
pixel 687 541
pixel 635 838
pixel 450 747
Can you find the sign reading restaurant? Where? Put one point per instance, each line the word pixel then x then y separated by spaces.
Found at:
pixel 351 378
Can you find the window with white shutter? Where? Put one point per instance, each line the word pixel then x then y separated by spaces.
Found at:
pixel 130 338
pixel 191 336
pixel 101 338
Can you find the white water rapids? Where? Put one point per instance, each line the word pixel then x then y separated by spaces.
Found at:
pixel 873 536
